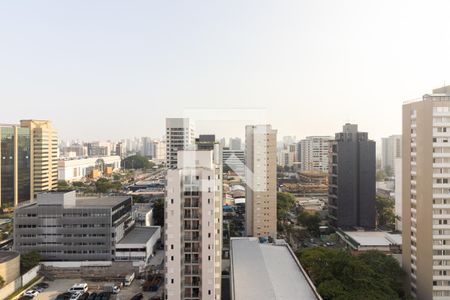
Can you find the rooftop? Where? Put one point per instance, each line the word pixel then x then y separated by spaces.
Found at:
pixel 267 271
pixel 108 201
pixel 139 235
pixel 7 255
pixel 373 238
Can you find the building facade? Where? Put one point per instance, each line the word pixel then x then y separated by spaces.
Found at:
pixel 193 227
pixel 314 153
pixel 179 135
pixel 391 149
pixel 426 194
pixel 63 227
pixel 352 190
pixel 92 167
pixel 261 181
pixel 234 161
pixel 28 163
pixel 235 144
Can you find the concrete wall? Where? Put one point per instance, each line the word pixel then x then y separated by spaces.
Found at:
pixel 19 282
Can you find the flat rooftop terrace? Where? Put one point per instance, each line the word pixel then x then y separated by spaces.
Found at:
pixel 109 201
pixel 139 235
pixel 267 271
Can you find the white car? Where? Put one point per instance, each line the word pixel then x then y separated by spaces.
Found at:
pixel 80 287
pixel 31 293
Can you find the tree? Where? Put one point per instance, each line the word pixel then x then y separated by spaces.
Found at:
pixel 385 212
pixel 29 260
pixel 285 202
pixel 311 221
pixel 158 212
pixel 63 186
pixel 137 162
pixel 388 171
pixel 339 275
pixel 2 282
pixel 380 175
pixel 104 185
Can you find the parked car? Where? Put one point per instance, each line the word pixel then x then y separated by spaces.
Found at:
pixel 31 293
pixel 138 296
pixel 92 296
pixel 79 287
pixel 84 296
pixel 111 288
pixel 42 285
pixel 76 295
pixel 103 296
pixel 64 296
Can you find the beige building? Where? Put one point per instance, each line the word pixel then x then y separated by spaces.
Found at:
pixel 426 194
pixel 261 180
pixel 9 266
pixel 44 155
pixel 193 226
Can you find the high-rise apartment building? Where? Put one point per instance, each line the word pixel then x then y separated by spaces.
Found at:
pixel 193 226
pixel 426 194
pixel 179 135
pixel 28 163
pixel 261 181
pixel 314 153
pixel 391 148
pixel 44 155
pixel 351 198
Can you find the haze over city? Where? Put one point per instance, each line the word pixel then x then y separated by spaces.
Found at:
pixel 103 68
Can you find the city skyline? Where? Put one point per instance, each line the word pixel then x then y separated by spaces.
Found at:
pixel 131 65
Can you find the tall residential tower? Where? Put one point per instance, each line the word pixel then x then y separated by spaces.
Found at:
pixel 426 194
pixel 314 153
pixel 261 181
pixel 193 226
pixel 351 170
pixel 179 135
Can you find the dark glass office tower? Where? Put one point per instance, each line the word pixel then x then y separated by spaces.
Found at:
pixel 352 179
pixel 15 168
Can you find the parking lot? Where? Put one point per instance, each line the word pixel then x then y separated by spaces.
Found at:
pixel 59 286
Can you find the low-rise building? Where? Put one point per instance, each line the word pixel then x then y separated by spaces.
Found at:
pixel 73 169
pixel 9 266
pixel 143 214
pixel 362 241
pixel 138 245
pixel 63 227
pixel 267 271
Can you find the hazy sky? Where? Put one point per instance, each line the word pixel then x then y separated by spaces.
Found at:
pixel 110 69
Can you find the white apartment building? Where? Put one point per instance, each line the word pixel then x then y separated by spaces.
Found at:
pixel 314 153
pixel 179 135
pixel 391 148
pixel 193 226
pixel 426 194
pixel 261 180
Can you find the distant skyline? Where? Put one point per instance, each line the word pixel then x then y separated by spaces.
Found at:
pixel 113 69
